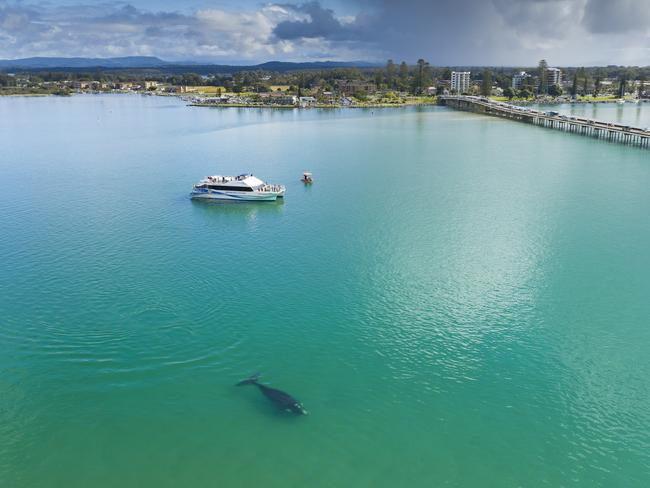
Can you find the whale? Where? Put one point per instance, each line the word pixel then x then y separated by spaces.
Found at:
pixel 279 398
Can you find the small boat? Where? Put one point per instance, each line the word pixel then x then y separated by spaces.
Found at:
pixel 307 177
pixel 245 188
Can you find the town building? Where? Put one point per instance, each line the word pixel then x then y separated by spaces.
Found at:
pixel 518 80
pixel 80 85
pixel 353 87
pixel 307 101
pixel 553 76
pixel 279 98
pixel 460 81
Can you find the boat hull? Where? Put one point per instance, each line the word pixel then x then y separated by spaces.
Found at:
pixel 239 196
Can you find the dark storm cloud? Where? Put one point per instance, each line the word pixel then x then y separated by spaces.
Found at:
pixel 508 32
pixel 320 22
pixel 619 16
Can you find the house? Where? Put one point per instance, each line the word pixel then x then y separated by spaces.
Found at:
pixel 122 85
pixel 80 85
pixel 307 101
pixel 355 86
pixel 279 98
pixel 346 102
pixel 328 98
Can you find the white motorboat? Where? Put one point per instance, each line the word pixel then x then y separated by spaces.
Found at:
pixel 244 187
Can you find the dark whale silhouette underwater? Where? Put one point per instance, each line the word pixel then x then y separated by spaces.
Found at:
pixel 279 398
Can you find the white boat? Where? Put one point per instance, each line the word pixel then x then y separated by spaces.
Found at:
pixel 245 187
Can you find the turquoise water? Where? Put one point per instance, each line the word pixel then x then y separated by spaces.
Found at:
pixel 457 300
pixel 634 115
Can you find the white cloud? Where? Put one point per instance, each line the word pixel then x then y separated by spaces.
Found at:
pixel 120 30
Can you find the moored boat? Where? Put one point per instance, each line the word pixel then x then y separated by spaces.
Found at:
pixel 245 187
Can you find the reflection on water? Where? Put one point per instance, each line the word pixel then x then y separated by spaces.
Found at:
pixel 248 210
pixel 637 115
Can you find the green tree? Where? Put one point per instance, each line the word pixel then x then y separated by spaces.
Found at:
pixel 486 83
pixel 191 79
pixel 585 82
pixel 420 76
pixel 641 87
pixel 403 75
pixel 379 79
pixel 508 92
pixel 622 86
pixel 555 90
pixel 574 86
pixel 525 93
pixel 597 86
pixel 6 80
pixel 391 71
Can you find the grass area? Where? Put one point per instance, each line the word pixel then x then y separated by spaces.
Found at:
pixel 589 98
pixel 205 89
pixel 32 92
pixel 279 87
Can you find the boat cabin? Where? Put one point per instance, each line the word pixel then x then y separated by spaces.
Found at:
pixel 232 183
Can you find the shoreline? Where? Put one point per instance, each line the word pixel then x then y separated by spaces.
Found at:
pixel 317 106
pixel 413 103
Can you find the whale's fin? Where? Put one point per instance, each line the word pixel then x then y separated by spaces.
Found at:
pixel 249 381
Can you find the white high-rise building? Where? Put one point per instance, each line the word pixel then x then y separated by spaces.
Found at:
pixel 460 81
pixel 518 80
pixel 553 76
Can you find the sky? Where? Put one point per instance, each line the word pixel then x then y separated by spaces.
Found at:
pixel 444 32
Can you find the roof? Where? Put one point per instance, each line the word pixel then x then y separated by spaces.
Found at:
pixel 253 181
pixel 234 181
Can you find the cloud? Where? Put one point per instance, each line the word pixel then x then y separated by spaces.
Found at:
pixel 617 16
pixel 445 32
pixel 314 22
pixel 206 34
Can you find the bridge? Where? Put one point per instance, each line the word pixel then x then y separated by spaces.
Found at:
pixel 609 131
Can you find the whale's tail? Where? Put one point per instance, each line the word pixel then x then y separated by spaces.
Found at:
pixel 249 381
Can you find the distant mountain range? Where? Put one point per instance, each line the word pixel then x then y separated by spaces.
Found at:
pixel 46 63
pixel 151 62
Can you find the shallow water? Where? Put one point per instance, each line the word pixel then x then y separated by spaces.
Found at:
pixel 634 115
pixel 457 300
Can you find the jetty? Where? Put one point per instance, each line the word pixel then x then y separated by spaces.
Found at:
pixel 598 129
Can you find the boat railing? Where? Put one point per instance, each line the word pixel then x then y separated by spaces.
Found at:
pixel 273 188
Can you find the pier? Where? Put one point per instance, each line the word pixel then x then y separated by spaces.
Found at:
pixel 598 129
